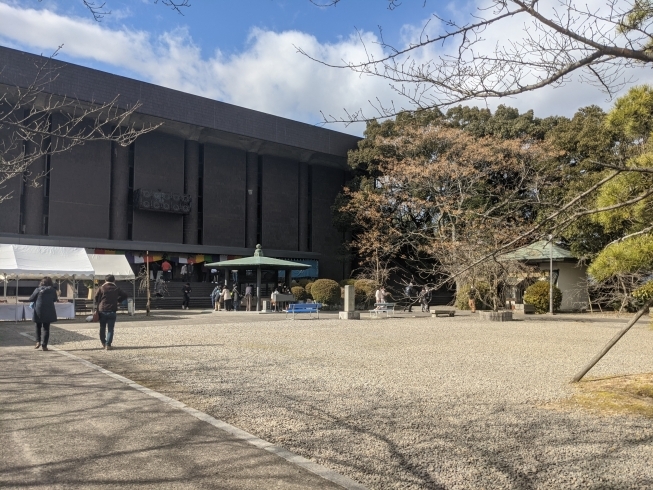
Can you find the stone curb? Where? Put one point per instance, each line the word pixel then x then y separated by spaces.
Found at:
pixel 321 471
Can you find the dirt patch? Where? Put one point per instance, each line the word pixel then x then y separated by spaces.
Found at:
pixel 618 395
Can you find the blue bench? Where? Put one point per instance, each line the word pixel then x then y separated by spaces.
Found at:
pixel 309 308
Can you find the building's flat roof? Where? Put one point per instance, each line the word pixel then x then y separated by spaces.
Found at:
pixel 18 68
pixel 539 251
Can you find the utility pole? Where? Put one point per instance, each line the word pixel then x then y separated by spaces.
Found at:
pixel 551 274
pixel 147 281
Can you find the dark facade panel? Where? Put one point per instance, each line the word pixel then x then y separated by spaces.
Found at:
pixel 225 196
pixel 158 165
pixel 280 203
pixel 10 191
pixel 80 186
pixel 327 183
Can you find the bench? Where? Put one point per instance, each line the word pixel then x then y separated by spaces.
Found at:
pixel 309 308
pixel 383 308
pixel 435 313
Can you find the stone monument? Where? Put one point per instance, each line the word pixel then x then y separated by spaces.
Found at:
pixel 350 312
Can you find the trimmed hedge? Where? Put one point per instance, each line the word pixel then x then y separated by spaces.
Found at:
pixel 347 282
pixel 303 282
pixel 482 295
pixel 326 291
pixel 308 287
pixel 365 290
pixel 299 293
pixel 537 294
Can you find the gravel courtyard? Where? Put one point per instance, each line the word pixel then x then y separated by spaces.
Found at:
pixel 451 403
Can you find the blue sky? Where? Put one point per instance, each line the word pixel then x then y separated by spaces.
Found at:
pixel 244 51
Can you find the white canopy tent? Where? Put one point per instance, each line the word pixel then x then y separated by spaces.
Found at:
pixel 35 262
pixel 116 265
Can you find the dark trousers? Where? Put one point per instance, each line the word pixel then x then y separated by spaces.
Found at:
pixel 46 333
pixel 186 300
pixel 228 304
pixel 107 322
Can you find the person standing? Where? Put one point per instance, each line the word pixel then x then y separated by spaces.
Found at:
pixel 226 296
pixel 186 290
pixel 190 269
pixel 107 299
pixel 184 272
pixel 216 294
pixel 425 298
pixel 167 271
pixel 248 297
pixel 473 294
pixel 378 297
pixel 235 297
pixel 44 297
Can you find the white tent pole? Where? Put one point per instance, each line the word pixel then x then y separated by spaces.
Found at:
pixel 74 294
pixel 5 284
pixel 16 289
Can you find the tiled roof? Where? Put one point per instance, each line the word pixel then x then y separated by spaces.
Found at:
pixel 540 250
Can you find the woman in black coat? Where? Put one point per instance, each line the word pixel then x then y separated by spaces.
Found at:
pixel 44 297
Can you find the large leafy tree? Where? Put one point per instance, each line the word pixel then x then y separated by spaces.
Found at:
pixel 435 191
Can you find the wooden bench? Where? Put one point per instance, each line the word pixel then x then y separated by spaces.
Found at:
pixel 309 308
pixel 383 308
pixel 448 312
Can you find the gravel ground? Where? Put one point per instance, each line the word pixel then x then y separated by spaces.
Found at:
pixel 451 403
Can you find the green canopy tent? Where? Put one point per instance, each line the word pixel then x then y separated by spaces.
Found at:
pixel 258 263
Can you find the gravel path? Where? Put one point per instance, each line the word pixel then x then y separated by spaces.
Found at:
pixel 449 403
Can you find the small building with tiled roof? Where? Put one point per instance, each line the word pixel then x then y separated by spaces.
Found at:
pixel 568 275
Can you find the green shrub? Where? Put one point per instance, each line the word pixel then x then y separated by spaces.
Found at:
pixel 537 294
pixel 326 291
pixel 304 282
pixel 347 282
pixel 299 293
pixel 365 290
pixel 308 287
pixel 482 296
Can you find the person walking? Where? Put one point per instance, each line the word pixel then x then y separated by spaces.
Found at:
pixel 44 297
pixel 248 297
pixel 107 299
pixel 186 290
pixel 409 291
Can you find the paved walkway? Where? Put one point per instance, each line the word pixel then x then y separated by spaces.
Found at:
pixel 66 424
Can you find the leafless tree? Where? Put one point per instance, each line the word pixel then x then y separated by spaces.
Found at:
pixel 99 9
pixel 558 39
pixel 28 130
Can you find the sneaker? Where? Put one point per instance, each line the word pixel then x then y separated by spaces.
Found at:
pixel 44 347
pixel 108 347
pixel 38 344
pixel 104 345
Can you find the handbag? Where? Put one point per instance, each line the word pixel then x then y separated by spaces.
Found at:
pixel 96 316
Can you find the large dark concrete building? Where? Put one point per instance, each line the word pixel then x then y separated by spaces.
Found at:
pixel 251 177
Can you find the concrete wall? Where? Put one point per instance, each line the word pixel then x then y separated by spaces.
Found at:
pixel 280 204
pixel 80 186
pixel 225 196
pixel 572 282
pixel 158 165
pixel 326 184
